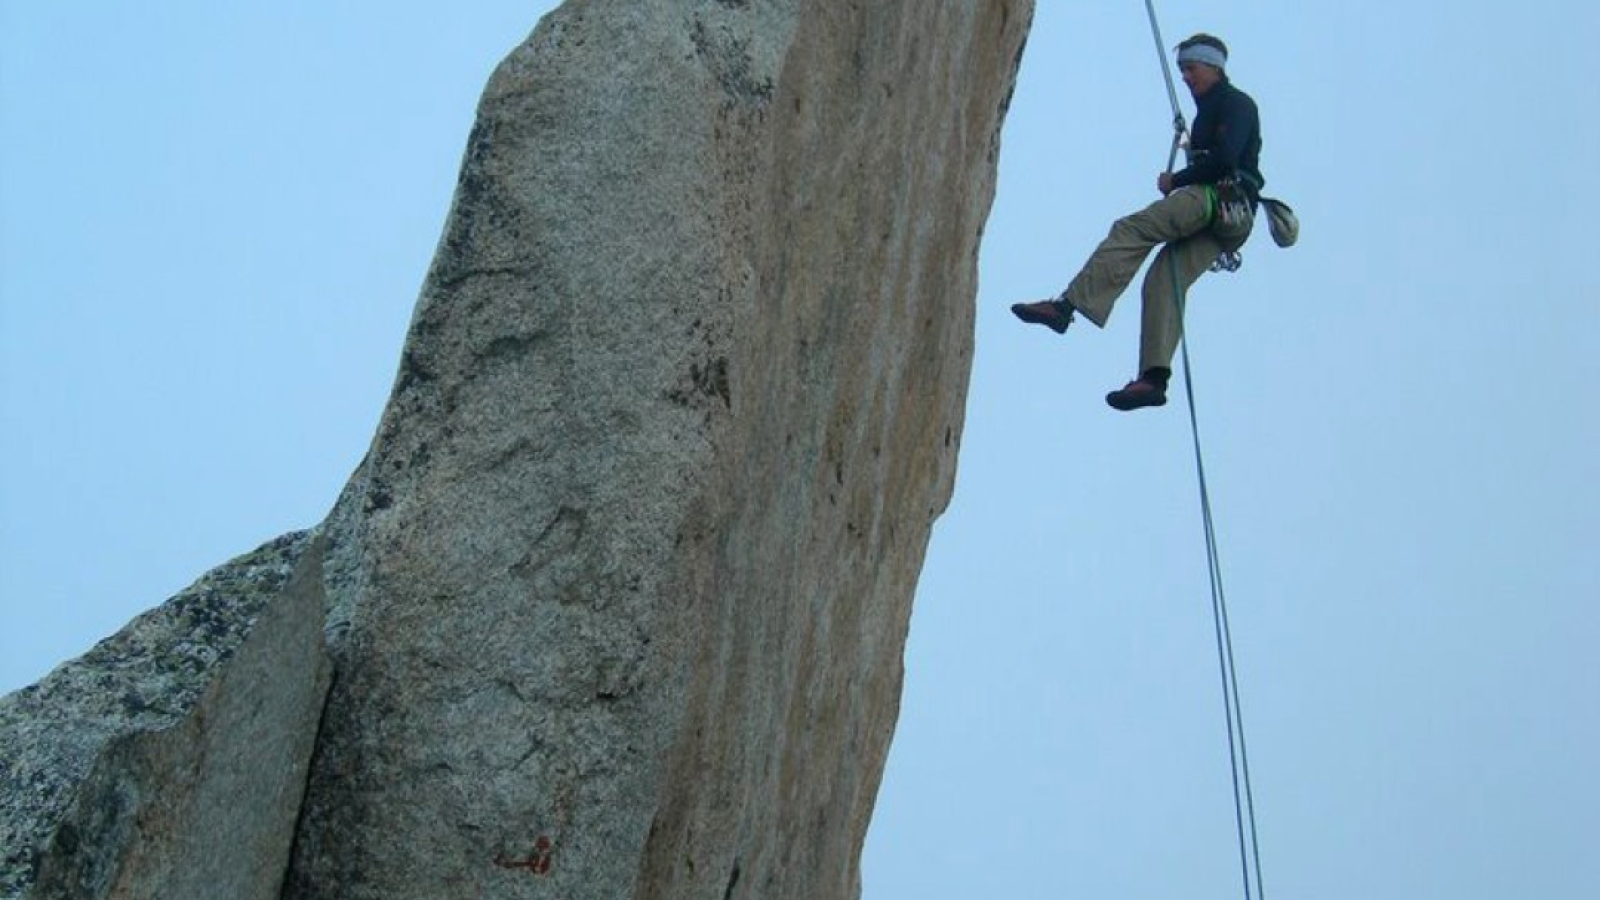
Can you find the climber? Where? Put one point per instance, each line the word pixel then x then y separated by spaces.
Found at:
pixel 1206 209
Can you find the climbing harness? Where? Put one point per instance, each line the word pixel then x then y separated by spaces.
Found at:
pixel 1244 807
pixel 1231 220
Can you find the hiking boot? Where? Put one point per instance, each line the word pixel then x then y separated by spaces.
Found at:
pixel 1137 394
pixel 1055 315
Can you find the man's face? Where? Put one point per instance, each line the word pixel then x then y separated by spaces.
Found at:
pixel 1199 76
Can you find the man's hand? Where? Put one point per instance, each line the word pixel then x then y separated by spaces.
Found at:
pixel 1164 183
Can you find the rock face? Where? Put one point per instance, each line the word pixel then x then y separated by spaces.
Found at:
pixel 618 599
pixel 169 762
pixel 638 536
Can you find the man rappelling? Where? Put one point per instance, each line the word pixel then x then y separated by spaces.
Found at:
pixel 1206 212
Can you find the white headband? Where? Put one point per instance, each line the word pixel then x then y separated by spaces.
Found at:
pixel 1203 53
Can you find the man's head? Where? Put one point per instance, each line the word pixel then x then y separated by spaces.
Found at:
pixel 1202 60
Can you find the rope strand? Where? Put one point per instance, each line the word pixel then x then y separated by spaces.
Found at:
pixel 1238 756
pixel 1244 806
pixel 1166 67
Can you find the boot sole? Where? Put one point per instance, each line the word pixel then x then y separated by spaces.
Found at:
pixel 1052 321
pixel 1120 400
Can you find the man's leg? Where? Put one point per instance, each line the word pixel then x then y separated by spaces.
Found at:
pixel 1164 297
pixel 1113 264
pixel 1095 290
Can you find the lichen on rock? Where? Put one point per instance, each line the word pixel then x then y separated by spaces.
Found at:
pixel 106 781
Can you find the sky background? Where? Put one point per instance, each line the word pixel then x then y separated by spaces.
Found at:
pixel 214 221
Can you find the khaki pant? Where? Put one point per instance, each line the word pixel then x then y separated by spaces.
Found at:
pixel 1179 220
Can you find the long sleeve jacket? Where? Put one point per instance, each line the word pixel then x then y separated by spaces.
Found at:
pixel 1226 139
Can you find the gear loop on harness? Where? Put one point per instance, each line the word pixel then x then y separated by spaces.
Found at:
pixel 1227 262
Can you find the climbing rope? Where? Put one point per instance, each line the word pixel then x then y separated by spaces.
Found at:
pixel 1244 806
pixel 1180 126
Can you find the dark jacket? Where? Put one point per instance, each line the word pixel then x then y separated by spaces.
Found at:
pixel 1226 138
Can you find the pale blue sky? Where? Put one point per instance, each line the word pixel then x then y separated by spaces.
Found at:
pixel 213 224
